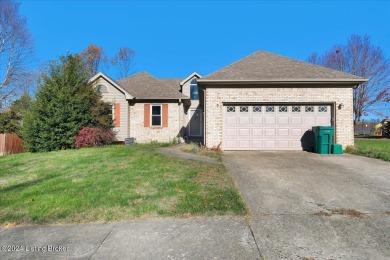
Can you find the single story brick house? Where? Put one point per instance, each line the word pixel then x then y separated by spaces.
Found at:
pixel 261 102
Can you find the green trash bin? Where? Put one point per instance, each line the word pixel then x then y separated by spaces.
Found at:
pixel 323 139
pixel 337 149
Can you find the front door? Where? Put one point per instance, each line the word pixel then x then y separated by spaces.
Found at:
pixel 195 122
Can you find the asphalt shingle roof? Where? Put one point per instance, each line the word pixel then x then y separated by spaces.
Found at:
pixel 263 65
pixel 144 86
pixel 174 83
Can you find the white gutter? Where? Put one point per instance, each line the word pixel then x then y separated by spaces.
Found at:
pixel 284 81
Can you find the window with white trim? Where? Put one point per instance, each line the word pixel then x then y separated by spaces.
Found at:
pixel 270 109
pixel 194 95
pixel 155 116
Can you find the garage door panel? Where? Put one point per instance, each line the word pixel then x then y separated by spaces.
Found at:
pixel 270 132
pixel 295 132
pixel 270 144
pixel 323 121
pixel 282 132
pixel 296 120
pixel 296 145
pixel 244 144
pixel 231 132
pixel 270 120
pixel 259 129
pixel 243 121
pixel 231 121
pixel 244 132
pixel 283 144
pixel 309 120
pixel 283 121
pixel 230 144
pixel 257 132
pixel 257 144
pixel 257 121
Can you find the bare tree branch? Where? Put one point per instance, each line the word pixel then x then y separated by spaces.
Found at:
pixel 124 61
pixel 361 58
pixel 16 48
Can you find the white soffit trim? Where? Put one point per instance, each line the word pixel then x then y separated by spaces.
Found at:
pixel 190 77
pixel 101 74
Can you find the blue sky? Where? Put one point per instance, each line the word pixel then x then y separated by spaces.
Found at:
pixel 175 38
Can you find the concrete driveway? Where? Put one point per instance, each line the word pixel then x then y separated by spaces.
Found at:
pixel 310 206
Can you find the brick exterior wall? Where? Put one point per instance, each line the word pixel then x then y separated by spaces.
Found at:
pixel 214 98
pixel 161 134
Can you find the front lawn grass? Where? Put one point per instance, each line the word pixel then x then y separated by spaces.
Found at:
pixel 374 148
pixel 111 183
pixel 197 149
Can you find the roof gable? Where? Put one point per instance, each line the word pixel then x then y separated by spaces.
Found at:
pixel 194 74
pixel 112 82
pixel 144 86
pixel 265 66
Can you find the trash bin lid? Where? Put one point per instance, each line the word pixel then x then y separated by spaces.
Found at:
pixel 325 127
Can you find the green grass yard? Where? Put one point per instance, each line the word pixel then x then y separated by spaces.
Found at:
pixel 111 183
pixel 374 148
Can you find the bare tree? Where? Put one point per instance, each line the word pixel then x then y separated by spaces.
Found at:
pixel 123 61
pixel 93 57
pixel 16 49
pixel 361 58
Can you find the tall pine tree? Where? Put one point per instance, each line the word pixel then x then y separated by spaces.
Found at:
pixel 64 103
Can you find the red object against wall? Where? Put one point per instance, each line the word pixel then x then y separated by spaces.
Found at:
pixel 165 115
pixel 117 114
pixel 146 115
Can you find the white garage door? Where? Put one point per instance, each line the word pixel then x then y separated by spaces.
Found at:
pixel 271 127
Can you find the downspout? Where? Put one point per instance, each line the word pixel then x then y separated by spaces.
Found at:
pixel 128 119
pixel 179 119
pixel 204 116
pixel 334 120
pixel 353 116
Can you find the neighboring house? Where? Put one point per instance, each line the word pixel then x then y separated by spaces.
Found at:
pixel 261 102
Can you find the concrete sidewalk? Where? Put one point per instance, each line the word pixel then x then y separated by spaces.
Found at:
pixel 193 238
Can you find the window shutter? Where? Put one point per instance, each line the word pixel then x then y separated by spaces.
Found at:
pixel 146 115
pixel 117 114
pixel 165 115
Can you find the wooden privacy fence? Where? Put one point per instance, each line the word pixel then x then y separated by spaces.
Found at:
pixel 10 144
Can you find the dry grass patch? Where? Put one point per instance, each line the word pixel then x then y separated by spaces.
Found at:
pixel 198 149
